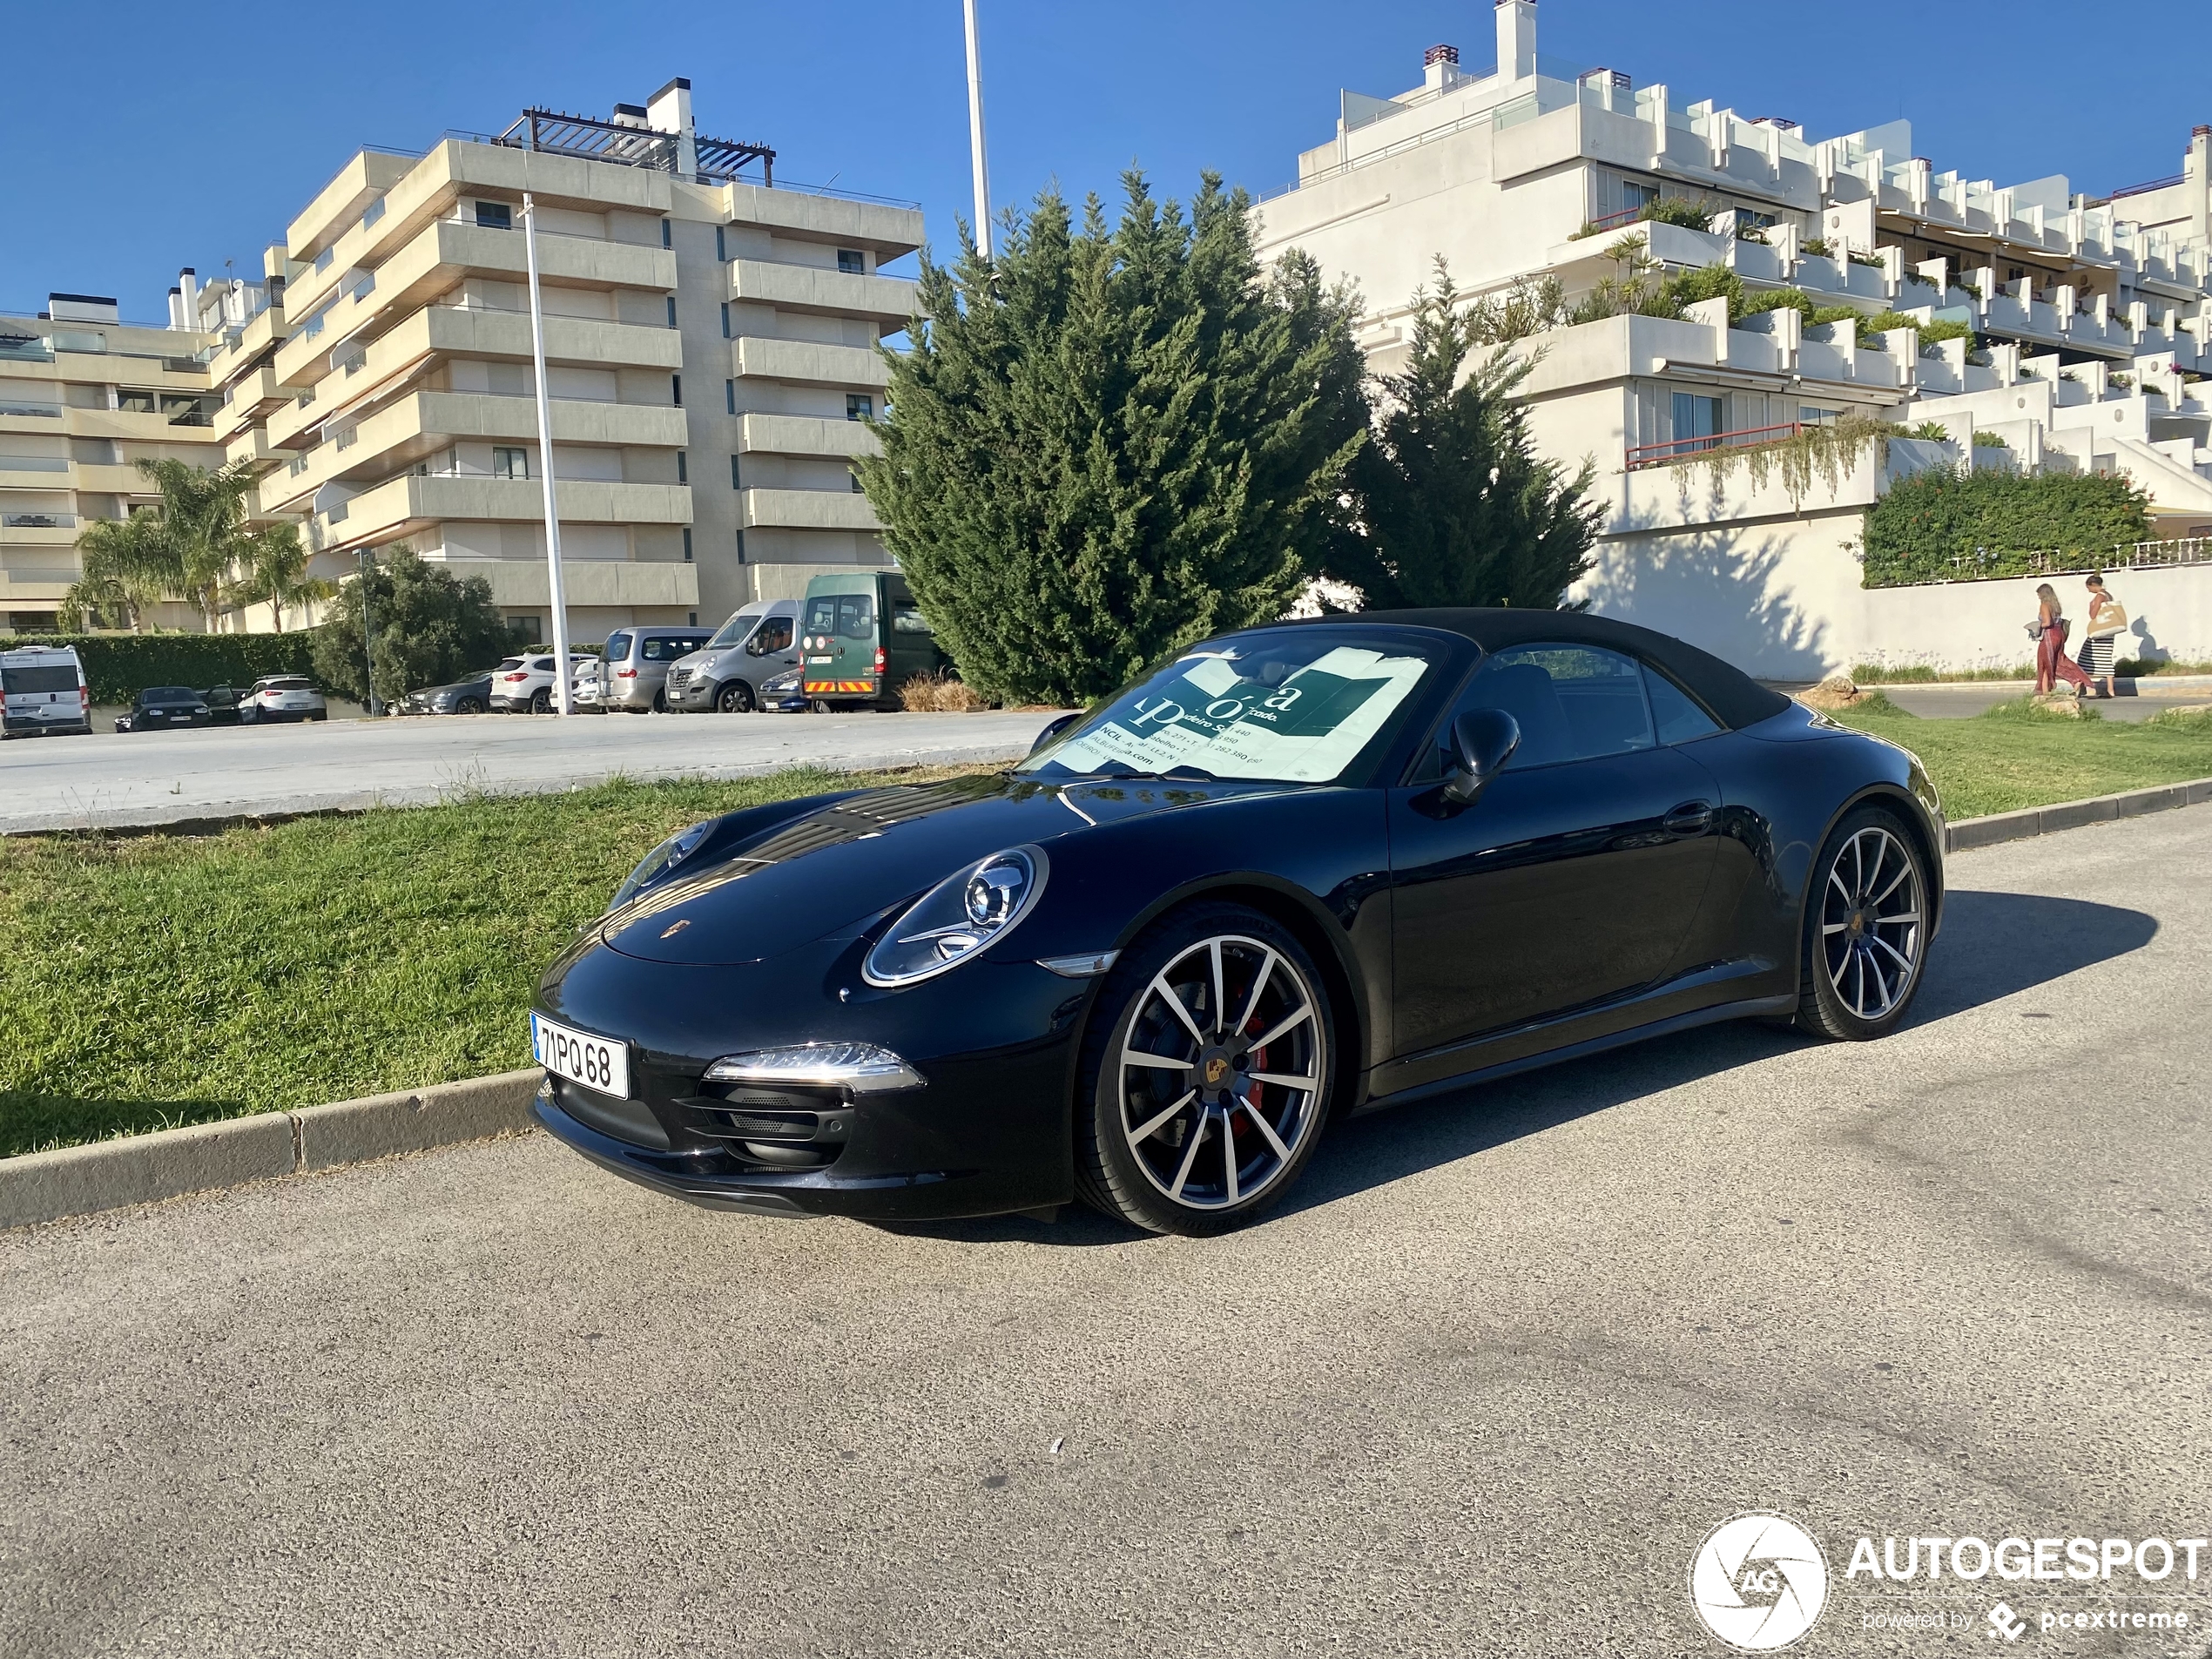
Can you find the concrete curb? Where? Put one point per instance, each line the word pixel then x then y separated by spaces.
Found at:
pixel 2073 815
pixel 143 1168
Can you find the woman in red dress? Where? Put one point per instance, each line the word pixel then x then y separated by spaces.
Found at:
pixel 2052 664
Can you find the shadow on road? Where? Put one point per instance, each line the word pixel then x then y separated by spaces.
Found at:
pixel 1992 945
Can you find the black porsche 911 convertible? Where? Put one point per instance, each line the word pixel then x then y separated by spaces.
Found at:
pixel 1302 871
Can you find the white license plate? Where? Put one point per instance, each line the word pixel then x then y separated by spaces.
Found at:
pixel 599 1064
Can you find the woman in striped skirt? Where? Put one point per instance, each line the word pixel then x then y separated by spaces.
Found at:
pixel 2106 618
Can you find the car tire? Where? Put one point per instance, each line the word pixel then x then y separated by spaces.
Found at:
pixel 469 706
pixel 820 705
pixel 322 714
pixel 1166 1141
pixel 1865 929
pixel 734 696
pixel 541 700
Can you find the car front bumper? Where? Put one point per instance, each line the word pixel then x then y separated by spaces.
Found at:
pixel 989 1132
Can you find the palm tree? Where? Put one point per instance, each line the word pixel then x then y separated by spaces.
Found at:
pixel 201 512
pixel 128 568
pixel 276 573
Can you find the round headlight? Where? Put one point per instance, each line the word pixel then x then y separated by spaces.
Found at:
pixel 962 915
pixel 656 864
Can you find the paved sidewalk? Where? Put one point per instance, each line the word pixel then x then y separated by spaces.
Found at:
pixel 172 777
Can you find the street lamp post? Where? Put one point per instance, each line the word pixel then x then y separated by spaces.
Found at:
pixel 975 138
pixel 561 702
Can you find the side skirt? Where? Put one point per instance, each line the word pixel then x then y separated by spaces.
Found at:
pixel 1748 1008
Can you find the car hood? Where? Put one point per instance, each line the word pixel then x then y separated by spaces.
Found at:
pixel 832 869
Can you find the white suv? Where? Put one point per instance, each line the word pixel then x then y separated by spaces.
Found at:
pixel 281 697
pixel 524 685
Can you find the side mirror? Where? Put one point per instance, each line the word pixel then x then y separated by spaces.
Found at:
pixel 1053 730
pixel 1482 741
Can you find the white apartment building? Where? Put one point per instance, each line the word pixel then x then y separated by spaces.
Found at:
pixel 711 342
pixel 711 357
pixel 84 397
pixel 2094 315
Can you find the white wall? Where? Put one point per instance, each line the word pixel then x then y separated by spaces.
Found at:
pixel 1781 600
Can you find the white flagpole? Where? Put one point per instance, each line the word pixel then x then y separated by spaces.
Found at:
pixel 560 703
pixel 975 138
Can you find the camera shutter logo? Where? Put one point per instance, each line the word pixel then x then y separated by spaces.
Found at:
pixel 1758 1582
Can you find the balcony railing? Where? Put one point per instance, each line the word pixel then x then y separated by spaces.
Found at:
pixel 39 520
pixel 1655 454
pixel 36 411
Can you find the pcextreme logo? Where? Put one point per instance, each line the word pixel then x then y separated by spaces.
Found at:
pixel 1758 1582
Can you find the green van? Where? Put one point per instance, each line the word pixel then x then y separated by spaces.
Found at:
pixel 861 637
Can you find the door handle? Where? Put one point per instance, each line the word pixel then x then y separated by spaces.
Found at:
pixel 1691 818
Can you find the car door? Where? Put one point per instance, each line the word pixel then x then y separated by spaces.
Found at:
pixel 771 648
pixel 1573 878
pixel 910 645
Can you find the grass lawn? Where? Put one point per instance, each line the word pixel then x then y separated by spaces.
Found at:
pixel 2010 758
pixel 151 980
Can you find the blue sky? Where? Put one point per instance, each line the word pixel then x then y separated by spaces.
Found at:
pixel 118 125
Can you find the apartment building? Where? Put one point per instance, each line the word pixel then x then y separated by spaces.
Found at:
pixel 711 360
pixel 84 397
pixel 2092 318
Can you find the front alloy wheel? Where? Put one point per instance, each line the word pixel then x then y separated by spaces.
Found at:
pixel 1211 1087
pixel 734 698
pixel 1865 929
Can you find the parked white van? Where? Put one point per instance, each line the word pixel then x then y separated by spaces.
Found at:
pixel 45 692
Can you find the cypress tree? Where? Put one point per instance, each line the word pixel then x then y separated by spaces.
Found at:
pixel 1105 444
pixel 1452 506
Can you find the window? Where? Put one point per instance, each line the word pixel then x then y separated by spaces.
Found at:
pixel 495 216
pixel 675 390
pixel 510 463
pixel 671 311
pixel 1698 421
pixel 725 317
pixel 1809 415
pixel 323 259
pixel 858 406
pixel 371 213
pixel 734 484
pixel 667 238
pixel 133 402
pixel 1620 198
pixel 730 395
pixel 617 650
pixel 850 614
pixel 1679 719
pixel 687 543
pixel 694 616
pixel 683 469
pixel 855 477
pixel 355 364
pixel 721 252
pixel 852 261
pixel 906 619
pixel 772 636
pixel 1571 702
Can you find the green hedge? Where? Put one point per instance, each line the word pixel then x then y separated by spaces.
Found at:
pixel 119 666
pixel 1953 522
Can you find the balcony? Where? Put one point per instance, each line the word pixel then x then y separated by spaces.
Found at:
pixel 446 250
pixel 37 529
pixel 478 330
pixel 804 434
pixel 34 472
pixel 427 422
pixel 809 363
pixel 519 583
pixel 399 505
pixel 809 510
pixel 249 399
pixel 134 426
pixel 891 301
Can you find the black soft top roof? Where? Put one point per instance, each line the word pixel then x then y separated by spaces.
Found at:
pixel 1733 696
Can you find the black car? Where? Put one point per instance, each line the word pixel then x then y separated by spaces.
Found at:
pixel 158 707
pixel 470 696
pixel 1302 871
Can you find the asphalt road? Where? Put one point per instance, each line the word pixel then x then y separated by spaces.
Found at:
pixel 170 777
pixel 1481 1390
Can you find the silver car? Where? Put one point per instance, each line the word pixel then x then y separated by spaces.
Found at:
pixel 633 672
pixel 727 672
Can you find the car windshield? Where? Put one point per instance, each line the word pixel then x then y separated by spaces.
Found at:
pixel 169 694
pixel 1282 705
pixel 734 631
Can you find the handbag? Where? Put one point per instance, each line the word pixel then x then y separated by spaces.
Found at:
pixel 2112 619
pixel 2035 630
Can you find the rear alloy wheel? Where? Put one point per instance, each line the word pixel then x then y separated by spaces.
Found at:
pixel 660 702
pixel 541 700
pixel 1865 930
pixel 1208 1087
pixel 734 698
